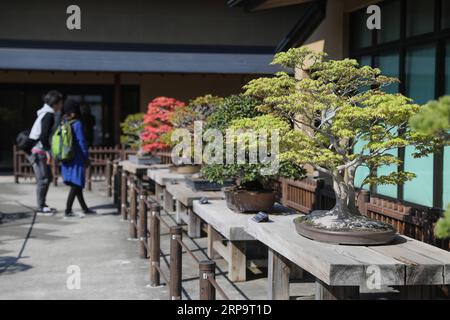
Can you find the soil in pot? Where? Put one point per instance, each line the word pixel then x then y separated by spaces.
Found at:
pixel 249 201
pixel 341 227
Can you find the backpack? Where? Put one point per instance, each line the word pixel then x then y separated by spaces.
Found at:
pixel 24 142
pixel 62 142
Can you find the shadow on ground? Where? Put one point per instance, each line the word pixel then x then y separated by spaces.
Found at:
pixel 11 265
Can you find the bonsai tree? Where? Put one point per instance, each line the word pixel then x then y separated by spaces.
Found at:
pixel 338 106
pixel 156 123
pixel 198 109
pixel 132 129
pixel 239 112
pixel 434 119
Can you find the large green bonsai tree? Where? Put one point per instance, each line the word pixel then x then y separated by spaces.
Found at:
pixel 338 106
pixel 239 113
pixel 434 119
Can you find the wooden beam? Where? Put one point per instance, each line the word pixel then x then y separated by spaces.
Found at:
pixel 278 276
pixel 117 107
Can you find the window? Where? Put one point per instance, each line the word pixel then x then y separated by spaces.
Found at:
pixel 419 17
pixel 446 173
pixel 390 22
pixel 420 74
pixel 361 35
pixel 390 66
pixel 420 80
pixel 445 14
pixel 362 172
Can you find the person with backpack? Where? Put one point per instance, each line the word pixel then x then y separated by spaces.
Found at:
pixel 40 157
pixel 72 150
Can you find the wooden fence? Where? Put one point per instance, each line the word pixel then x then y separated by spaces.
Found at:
pixel 416 222
pixel 98 156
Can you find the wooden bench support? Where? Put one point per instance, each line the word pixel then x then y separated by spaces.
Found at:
pixel 168 202
pixel 123 195
pixel 159 193
pixel 419 292
pixel 237 265
pixel 133 211
pixel 185 214
pixel 326 292
pixel 279 269
pixel 213 236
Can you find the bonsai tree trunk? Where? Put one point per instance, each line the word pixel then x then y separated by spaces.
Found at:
pixel 344 189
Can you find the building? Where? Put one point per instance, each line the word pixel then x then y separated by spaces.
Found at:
pixel 413 45
pixel 127 53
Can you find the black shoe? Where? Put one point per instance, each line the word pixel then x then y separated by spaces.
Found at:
pixel 89 211
pixel 73 215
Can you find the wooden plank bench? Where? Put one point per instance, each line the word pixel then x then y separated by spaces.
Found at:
pixel 131 174
pixel 229 227
pixel 340 270
pixel 184 196
pixel 161 177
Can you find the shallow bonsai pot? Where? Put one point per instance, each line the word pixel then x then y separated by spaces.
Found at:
pixel 144 160
pixel 240 200
pixel 348 237
pixel 201 184
pixel 185 169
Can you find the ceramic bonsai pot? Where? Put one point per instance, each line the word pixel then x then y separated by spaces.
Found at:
pixel 185 168
pixel 340 227
pixel 144 160
pixel 241 200
pixel 198 183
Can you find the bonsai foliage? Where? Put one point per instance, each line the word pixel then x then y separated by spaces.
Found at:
pixel 230 118
pixel 132 129
pixel 156 123
pixel 198 109
pixel 339 105
pixel 231 108
pixel 434 119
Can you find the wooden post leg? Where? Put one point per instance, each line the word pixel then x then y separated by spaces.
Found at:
pixel 194 224
pixel 133 212
pixel 296 272
pixel 237 266
pixel 416 292
pixel 278 276
pixel 142 225
pixel 326 292
pixel 123 196
pixel 109 172
pixel 168 201
pixel 207 290
pixel 213 235
pixel 158 193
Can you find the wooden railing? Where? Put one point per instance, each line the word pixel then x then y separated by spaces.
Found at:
pixel 98 157
pixel 416 222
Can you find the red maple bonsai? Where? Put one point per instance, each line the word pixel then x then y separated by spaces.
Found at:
pixel 156 123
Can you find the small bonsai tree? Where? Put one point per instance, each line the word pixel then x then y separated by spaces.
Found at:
pixel 339 105
pixel 156 123
pixel 198 109
pixel 132 129
pixel 434 119
pixel 240 113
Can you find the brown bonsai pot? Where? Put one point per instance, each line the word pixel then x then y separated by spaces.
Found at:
pixel 185 168
pixel 241 200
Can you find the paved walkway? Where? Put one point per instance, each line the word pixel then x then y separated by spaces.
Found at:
pixel 36 252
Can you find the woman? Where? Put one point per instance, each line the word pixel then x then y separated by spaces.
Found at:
pixel 73 172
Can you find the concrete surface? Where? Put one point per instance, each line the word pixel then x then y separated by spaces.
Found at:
pixel 36 252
